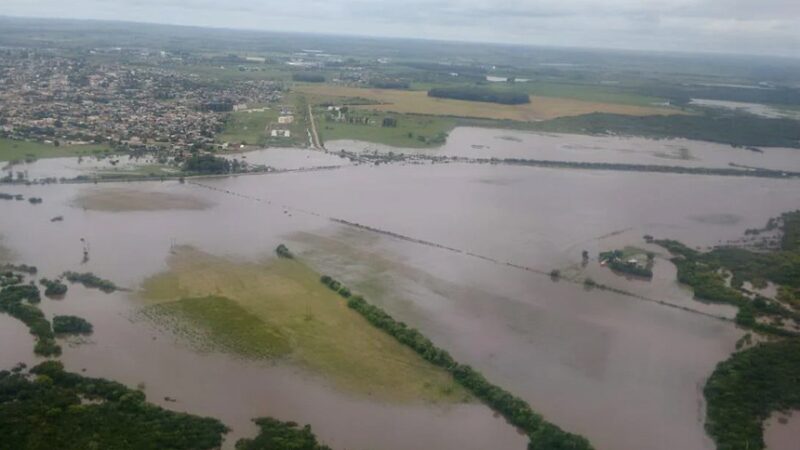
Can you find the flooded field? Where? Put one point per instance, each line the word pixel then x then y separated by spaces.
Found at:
pixel 290 158
pixel 71 167
pixel 493 143
pixel 625 372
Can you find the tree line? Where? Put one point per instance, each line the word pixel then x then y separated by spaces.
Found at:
pixel 543 435
pixel 91 280
pixel 480 94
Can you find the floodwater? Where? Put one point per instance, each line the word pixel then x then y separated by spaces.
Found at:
pixel 781 431
pixel 290 158
pixel 625 372
pixel 71 167
pixel 473 142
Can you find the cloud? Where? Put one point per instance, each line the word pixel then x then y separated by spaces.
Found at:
pixel 764 26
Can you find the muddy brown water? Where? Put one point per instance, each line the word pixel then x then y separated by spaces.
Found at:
pixel 626 373
pixel 781 431
pixel 474 142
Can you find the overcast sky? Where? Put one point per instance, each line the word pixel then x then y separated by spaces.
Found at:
pixel 736 26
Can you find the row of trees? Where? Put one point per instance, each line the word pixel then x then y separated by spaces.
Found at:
pixel 91 280
pixel 480 94
pixel 543 435
pixel 308 77
pixel 738 130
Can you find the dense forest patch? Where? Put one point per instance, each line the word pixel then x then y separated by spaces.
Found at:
pixel 744 390
pixel 49 408
pixel 480 94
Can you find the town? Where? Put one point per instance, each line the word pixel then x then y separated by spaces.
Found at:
pixel 67 101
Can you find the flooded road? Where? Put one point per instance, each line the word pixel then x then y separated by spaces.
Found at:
pixel 626 373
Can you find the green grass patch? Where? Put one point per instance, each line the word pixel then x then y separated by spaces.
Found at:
pixel 361 125
pixel 231 327
pixel 14 150
pixel 588 92
pixel 247 127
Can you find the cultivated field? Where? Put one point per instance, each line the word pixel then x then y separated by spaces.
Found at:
pixel 540 108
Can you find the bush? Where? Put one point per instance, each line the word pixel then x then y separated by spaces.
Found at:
pixel 308 77
pixel 71 325
pixel 274 434
pixel 283 252
pixel 53 288
pixel 207 164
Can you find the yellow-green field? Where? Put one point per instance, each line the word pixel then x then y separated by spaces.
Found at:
pixel 247 127
pixel 418 102
pixel 280 309
pixel 13 150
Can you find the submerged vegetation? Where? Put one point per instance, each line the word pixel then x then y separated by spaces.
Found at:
pixel 50 408
pixel 15 300
pixel 543 435
pixel 708 274
pixel 753 383
pixel 91 280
